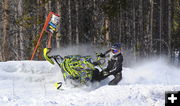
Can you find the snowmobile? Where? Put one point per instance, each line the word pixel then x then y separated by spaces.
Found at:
pixel 76 67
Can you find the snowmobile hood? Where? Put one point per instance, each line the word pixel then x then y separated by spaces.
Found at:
pixel 45 53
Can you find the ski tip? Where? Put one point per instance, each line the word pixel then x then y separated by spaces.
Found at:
pixel 58 85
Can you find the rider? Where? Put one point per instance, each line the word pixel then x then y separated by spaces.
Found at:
pixel 114 64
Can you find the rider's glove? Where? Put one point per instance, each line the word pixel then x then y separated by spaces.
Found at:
pixel 100 55
pixel 105 73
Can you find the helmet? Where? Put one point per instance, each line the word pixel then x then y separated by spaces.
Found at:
pixel 116 48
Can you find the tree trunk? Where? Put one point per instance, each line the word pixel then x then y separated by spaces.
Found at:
pixel 134 29
pixel 160 26
pixel 49 6
pixel 77 22
pixel 58 35
pixel 120 24
pixel 141 30
pixel 20 31
pixel 16 39
pixel 70 26
pixel 107 37
pixel 151 25
pixel 169 27
pixel 5 45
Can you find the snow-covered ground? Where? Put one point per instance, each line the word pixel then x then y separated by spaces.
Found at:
pixel 31 83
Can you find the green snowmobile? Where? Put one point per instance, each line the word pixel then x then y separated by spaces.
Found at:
pixel 76 67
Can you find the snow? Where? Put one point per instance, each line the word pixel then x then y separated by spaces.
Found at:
pixel 31 83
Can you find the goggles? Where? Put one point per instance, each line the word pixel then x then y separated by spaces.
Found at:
pixel 115 51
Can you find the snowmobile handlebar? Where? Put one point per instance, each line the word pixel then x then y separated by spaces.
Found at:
pixel 57 58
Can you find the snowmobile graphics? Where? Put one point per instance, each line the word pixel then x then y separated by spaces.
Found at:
pixel 76 67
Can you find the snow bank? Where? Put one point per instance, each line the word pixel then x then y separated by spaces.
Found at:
pixel 30 83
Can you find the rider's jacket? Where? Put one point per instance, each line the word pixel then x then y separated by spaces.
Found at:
pixel 114 62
